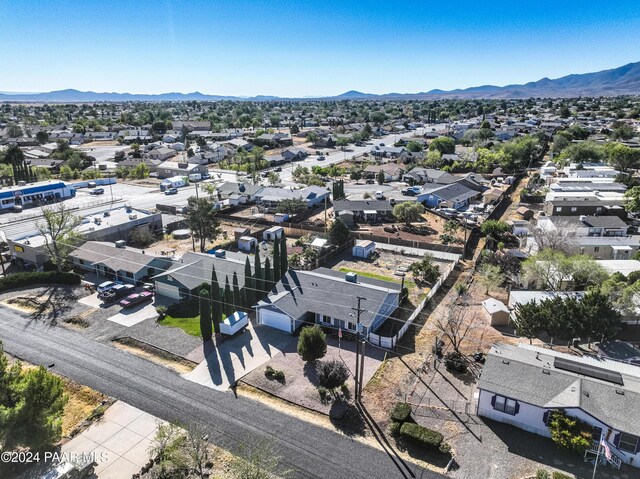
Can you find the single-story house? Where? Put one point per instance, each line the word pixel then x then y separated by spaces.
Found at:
pixel 162 153
pixel 522 385
pixel 363 249
pixel 245 191
pixel 421 175
pixel 272 196
pixel 300 298
pixel 123 264
pixel 491 195
pixel 168 169
pixel 454 195
pixel 185 276
pixel 392 171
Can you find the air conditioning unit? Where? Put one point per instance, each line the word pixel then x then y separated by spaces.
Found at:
pixel 133 217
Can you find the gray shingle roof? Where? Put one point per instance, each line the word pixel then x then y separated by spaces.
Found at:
pixel 362 205
pixel 327 292
pixel 517 372
pixel 118 259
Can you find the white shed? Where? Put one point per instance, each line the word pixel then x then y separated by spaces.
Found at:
pixel 318 244
pixel 247 243
pixel 273 233
pixel 498 312
pixel 363 249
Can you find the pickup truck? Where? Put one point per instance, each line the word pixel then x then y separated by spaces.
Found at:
pixel 117 292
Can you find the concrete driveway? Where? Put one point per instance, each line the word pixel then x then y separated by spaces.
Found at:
pixel 225 363
pixel 129 317
pixel 119 441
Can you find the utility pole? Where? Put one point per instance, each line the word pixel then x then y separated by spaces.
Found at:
pixel 357 376
pixel 325 214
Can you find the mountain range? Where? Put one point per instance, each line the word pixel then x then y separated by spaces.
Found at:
pixel 624 80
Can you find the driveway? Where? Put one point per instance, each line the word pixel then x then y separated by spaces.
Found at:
pixel 129 317
pixel 119 441
pixel 225 363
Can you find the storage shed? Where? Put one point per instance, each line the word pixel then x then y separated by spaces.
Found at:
pixel 363 249
pixel 273 233
pixel 498 312
pixel 247 243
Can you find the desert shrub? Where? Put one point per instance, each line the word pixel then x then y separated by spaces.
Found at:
pixel 332 373
pixel 455 362
pixel 161 310
pixel 269 372
pixel 542 474
pixel 444 448
pixel 279 375
pixel 39 277
pixel 394 428
pixel 401 412
pixel 421 436
pixel 568 432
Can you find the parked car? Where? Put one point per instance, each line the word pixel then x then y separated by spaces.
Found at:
pixel 206 176
pixel 409 192
pixel 97 191
pixel 107 285
pixel 136 299
pixel 321 158
pixel 370 181
pixel 117 292
pixel 70 470
pixel 91 184
pixel 379 195
pixel 171 191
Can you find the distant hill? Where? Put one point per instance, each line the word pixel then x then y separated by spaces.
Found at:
pixel 624 80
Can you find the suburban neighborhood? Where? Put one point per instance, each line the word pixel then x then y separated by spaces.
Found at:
pixel 368 285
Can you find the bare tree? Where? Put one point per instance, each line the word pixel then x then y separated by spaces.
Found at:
pixel 58 227
pixel 562 240
pixel 259 461
pixel 454 324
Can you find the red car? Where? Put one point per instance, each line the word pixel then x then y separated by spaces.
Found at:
pixel 135 299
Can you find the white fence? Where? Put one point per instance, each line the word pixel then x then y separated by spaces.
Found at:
pixel 390 342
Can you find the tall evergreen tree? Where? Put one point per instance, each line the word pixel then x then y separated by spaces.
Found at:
pixel 216 306
pixel 268 275
pixel 228 299
pixel 237 300
pixel 205 313
pixel 284 259
pixel 259 278
pixel 276 261
pixel 248 292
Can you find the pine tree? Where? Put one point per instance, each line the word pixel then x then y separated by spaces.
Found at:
pixel 276 261
pixel 284 259
pixel 249 285
pixel 259 278
pixel 216 307
pixel 228 299
pixel 268 275
pixel 205 313
pixel 237 300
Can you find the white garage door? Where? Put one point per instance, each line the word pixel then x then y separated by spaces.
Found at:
pixel 275 320
pixel 167 290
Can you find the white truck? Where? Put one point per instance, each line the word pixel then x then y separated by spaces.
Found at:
pixel 173 182
pixel 195 177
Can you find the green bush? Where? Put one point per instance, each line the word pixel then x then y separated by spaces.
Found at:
pixel 401 412
pixel 161 310
pixel 632 277
pixel 279 375
pixel 269 371
pixel 568 432
pixel 332 373
pixel 312 343
pixel 185 308
pixel 421 436
pixel 542 474
pixel 39 277
pixel 455 362
pixel 394 428
pixel 560 475
pixel 444 448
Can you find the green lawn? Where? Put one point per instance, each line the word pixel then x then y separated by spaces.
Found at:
pixel 408 282
pixel 188 325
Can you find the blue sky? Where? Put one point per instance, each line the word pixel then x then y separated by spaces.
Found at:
pixel 299 48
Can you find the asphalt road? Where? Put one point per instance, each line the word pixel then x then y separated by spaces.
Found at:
pixel 308 451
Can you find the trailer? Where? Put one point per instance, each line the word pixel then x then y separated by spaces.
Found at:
pixel 173 182
pixel 234 323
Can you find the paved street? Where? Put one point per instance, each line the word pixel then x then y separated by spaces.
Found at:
pixel 310 451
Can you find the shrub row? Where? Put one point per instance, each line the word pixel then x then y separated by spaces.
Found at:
pixel 185 308
pixel 401 412
pixel 38 277
pixel 421 436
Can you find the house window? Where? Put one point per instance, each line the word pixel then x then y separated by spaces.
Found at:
pixel 351 326
pixel 325 319
pixel 574 209
pixel 558 209
pixel 505 405
pixel 628 443
pixel 596 249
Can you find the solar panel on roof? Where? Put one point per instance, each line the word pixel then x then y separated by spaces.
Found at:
pixel 588 370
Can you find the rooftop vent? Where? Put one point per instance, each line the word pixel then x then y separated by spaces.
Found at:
pixel 352 277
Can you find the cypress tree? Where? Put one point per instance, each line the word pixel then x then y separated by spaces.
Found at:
pixel 228 299
pixel 276 261
pixel 216 307
pixel 237 300
pixel 268 275
pixel 205 313
pixel 249 285
pixel 259 278
pixel 284 259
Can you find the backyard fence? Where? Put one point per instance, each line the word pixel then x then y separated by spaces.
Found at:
pixel 389 342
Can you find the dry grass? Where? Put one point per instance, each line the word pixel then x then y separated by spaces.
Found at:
pixel 82 402
pixel 163 358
